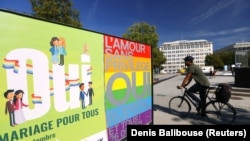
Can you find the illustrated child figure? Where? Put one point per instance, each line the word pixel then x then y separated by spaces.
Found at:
pixel 54 49
pixel 90 92
pixel 62 50
pixel 9 95
pixel 82 95
pixel 18 102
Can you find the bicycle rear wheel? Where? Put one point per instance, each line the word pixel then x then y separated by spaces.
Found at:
pixel 179 106
pixel 220 113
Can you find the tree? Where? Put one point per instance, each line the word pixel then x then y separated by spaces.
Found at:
pixel 158 58
pixel 57 11
pixel 146 34
pixel 227 57
pixel 214 60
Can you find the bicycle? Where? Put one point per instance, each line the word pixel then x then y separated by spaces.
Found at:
pixel 216 111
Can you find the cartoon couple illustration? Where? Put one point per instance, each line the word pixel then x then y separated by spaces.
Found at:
pixel 57 47
pixel 14 106
pixel 83 94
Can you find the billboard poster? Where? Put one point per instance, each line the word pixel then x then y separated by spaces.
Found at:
pixel 63 83
pixel 128 90
pixel 52 81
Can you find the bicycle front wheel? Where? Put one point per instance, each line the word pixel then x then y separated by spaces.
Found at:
pixel 220 112
pixel 179 106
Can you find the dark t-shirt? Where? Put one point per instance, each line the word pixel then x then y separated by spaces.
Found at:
pixel 198 75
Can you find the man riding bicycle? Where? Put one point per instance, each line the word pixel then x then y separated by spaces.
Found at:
pixel 201 83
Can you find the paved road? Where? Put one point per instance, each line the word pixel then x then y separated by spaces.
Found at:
pixel 165 88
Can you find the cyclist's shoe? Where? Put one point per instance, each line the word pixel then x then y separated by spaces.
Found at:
pixel 203 114
pixel 198 109
pixel 200 112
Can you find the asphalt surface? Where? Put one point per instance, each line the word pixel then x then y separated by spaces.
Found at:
pixel 165 88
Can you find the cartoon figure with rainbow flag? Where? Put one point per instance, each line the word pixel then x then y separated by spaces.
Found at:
pixel 14 105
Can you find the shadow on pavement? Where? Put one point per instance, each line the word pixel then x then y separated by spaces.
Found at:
pixel 242 118
pixel 192 117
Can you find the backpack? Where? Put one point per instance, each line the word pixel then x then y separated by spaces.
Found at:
pixel 223 92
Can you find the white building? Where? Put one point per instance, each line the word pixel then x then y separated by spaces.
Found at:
pixel 176 51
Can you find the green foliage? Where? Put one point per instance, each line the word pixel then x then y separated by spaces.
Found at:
pixel 57 11
pixel 214 60
pixel 227 57
pixel 143 33
pixel 158 58
pixel 223 58
pixel 146 34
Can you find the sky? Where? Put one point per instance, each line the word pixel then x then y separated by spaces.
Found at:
pixel 222 22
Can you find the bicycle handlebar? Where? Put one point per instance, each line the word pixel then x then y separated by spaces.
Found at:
pixel 179 87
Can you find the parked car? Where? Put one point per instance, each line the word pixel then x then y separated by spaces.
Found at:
pixel 207 69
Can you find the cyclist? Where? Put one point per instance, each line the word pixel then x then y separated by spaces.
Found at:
pixel 201 83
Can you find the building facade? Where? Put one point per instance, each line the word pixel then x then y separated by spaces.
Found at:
pixel 176 51
pixel 241 50
pixel 238 46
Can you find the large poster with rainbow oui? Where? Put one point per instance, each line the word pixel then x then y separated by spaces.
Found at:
pixel 62 83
